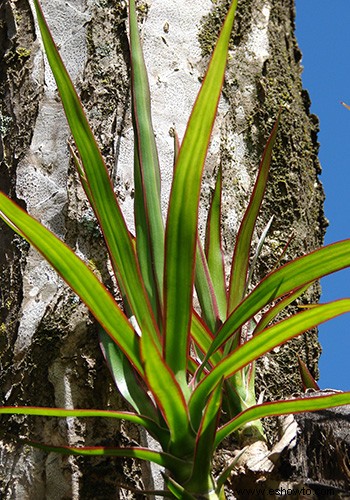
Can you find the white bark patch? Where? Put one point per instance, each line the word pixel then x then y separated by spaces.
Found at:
pixel 258 39
pixel 60 377
pixel 238 146
pixel 67 24
pixel 171 33
pixel 40 284
pixel 42 175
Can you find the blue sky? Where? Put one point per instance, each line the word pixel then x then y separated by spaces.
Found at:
pixel 323 34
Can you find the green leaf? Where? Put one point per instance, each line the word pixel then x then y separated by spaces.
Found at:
pixel 181 227
pixel 307 379
pixel 126 379
pixel 88 193
pixel 257 253
pixel 145 422
pixel 144 244
pixel 176 146
pixel 176 489
pixel 241 255
pixel 213 248
pixel 148 212
pixel 163 459
pixel 260 344
pixel 293 275
pixel 205 290
pixel 272 313
pixel 77 275
pixel 203 338
pixel 201 480
pixel 237 338
pixel 105 205
pixel 312 403
pixel 224 476
pixel 169 398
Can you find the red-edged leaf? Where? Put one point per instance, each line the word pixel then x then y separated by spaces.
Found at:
pixel 205 290
pixel 201 481
pixel 176 489
pixel 169 398
pixel 257 253
pixel 181 228
pixel 272 313
pixel 260 344
pixel 148 212
pixel 77 275
pixel 144 243
pixel 141 420
pixel 312 403
pixel 99 186
pixel 176 146
pixel 126 379
pixel 163 459
pixel 241 255
pixel 287 279
pixel 307 379
pixel 203 338
pixel 213 248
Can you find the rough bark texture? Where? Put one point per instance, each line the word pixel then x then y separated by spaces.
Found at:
pixel 321 459
pixel 49 349
pixel 314 464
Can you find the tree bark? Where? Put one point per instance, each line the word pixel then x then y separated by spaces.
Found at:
pixel 321 458
pixel 49 349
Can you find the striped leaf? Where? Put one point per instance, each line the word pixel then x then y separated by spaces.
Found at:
pixel 181 226
pixel 201 481
pixel 260 344
pixel 77 275
pixel 84 413
pixel 168 396
pixel 241 255
pixel 148 213
pixel 205 290
pixel 299 405
pixel 213 248
pixel 126 379
pixel 163 459
pixel 287 279
pixel 105 205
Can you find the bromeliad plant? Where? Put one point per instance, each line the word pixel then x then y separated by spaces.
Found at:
pixel 177 368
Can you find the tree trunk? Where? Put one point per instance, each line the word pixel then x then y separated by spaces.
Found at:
pixel 49 349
